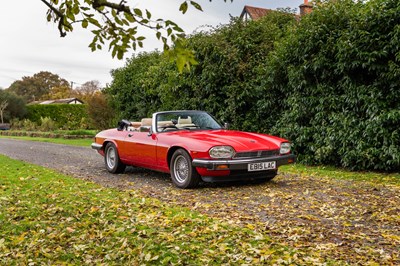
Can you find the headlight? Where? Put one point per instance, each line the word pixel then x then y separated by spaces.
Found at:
pixel 222 152
pixel 285 148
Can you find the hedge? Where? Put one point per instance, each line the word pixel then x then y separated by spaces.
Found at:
pixel 341 81
pixel 66 116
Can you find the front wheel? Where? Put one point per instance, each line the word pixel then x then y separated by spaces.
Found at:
pixel 183 174
pixel 112 160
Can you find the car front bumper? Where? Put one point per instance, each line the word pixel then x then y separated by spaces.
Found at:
pixel 96 146
pixel 242 164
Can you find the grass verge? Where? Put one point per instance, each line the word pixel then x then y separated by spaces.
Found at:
pixel 337 173
pixel 49 218
pixel 73 142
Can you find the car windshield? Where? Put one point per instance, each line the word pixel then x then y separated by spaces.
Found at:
pixel 185 120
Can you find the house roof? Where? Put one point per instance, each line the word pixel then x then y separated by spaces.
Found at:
pixel 67 100
pixel 255 12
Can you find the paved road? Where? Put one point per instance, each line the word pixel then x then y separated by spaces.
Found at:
pixel 81 162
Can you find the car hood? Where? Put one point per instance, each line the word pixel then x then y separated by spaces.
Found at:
pixel 240 141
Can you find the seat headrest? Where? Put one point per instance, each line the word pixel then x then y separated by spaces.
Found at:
pixel 146 121
pixel 186 120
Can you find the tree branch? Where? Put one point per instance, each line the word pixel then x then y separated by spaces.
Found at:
pixel 59 15
pixel 119 7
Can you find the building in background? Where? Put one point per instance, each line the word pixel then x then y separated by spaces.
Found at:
pixel 255 13
pixel 61 101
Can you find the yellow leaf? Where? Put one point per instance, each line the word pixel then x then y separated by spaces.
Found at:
pixel 396 238
pixel 250 226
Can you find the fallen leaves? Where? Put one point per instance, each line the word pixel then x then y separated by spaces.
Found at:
pixel 296 219
pixel 328 218
pixel 61 220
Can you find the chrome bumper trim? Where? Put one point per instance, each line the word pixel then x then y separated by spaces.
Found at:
pixel 96 146
pixel 242 163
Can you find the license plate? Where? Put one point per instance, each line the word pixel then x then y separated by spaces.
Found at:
pixel 251 167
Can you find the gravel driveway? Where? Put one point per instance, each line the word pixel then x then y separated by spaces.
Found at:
pixel 354 221
pixel 82 162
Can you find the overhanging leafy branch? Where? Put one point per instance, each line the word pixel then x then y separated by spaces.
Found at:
pixel 117 24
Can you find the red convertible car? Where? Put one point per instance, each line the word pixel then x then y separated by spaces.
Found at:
pixel 192 146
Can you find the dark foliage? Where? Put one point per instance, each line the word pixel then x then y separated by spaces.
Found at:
pixel 15 108
pixel 66 116
pixel 329 83
pixel 341 81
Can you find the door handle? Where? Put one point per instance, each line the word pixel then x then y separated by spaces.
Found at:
pixel 130 135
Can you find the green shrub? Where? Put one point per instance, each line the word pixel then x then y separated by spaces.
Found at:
pixel 329 83
pixel 15 108
pixel 340 74
pixel 47 124
pixel 16 124
pixel 65 116
pixel 28 125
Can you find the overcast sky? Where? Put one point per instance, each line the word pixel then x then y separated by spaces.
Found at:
pixel 29 44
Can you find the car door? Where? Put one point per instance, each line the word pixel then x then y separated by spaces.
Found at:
pixel 140 148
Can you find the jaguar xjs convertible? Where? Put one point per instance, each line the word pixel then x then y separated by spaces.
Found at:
pixel 192 146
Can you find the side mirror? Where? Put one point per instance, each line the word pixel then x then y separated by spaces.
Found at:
pixel 150 132
pixel 226 125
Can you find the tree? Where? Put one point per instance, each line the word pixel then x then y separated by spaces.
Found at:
pixel 14 107
pixel 58 92
pixel 100 112
pixel 3 106
pixel 88 90
pixel 33 88
pixel 118 24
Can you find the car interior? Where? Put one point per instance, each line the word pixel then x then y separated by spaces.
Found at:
pixel 145 124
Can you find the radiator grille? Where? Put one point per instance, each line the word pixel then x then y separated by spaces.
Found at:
pixel 256 154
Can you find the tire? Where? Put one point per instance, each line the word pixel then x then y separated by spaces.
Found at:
pixel 183 174
pixel 112 160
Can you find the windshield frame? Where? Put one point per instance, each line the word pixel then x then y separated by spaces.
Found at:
pixel 185 113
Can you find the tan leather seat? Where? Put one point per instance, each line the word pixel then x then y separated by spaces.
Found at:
pixel 146 125
pixel 185 122
pixel 135 126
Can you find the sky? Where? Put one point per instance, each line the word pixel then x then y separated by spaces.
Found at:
pixel 29 44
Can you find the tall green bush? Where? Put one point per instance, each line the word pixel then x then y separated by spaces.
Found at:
pixel 65 116
pixel 341 82
pixel 225 82
pixel 15 108
pixel 329 83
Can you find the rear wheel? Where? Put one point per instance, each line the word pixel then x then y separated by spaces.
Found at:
pixel 183 174
pixel 112 160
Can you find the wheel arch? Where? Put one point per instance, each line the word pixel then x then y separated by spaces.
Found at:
pixel 113 163
pixel 105 142
pixel 171 152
